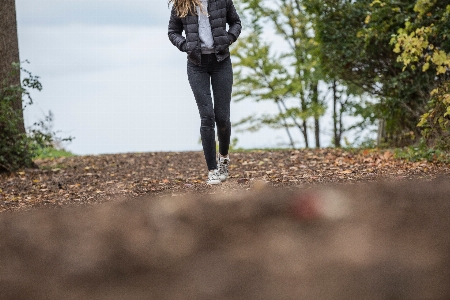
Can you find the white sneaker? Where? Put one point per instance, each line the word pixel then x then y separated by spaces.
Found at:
pixel 213 177
pixel 224 162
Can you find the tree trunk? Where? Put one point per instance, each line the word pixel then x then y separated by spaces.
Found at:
pixel 315 101
pixel 381 136
pixel 285 125
pixel 9 52
pixel 304 128
pixel 294 120
pixel 337 136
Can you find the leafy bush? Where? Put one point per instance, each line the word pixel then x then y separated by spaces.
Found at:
pixel 423 44
pixel 18 148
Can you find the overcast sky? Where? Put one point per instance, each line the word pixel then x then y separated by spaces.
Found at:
pixel 113 80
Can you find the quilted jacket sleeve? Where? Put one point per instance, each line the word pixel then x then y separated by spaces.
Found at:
pixel 175 30
pixel 233 20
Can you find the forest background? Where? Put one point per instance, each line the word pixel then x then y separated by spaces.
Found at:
pixel 379 63
pixel 363 65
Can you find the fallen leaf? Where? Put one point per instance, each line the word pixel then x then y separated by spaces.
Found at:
pixel 387 155
pixel 242 180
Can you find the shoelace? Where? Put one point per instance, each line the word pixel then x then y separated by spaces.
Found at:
pixel 213 176
pixel 223 166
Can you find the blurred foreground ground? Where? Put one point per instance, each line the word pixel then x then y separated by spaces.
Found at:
pixel 378 240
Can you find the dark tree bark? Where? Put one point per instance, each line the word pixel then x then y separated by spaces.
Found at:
pixel 304 126
pixel 9 51
pixel 315 101
pixel 381 136
pixel 336 127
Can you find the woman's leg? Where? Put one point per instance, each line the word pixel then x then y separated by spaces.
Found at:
pixel 222 82
pixel 199 79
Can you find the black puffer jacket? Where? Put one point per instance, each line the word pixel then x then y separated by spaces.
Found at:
pixel 220 12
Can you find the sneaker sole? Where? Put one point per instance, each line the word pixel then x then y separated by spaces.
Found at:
pixel 213 182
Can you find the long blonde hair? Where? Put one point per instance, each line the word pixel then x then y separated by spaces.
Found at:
pixel 185 7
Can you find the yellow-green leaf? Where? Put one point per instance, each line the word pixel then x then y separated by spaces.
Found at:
pixel 439 57
pixel 441 70
pixel 423 119
pixel 447 113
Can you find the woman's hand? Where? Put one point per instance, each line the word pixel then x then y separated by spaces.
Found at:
pixel 231 38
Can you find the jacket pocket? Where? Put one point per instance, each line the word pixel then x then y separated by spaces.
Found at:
pixel 231 38
pixel 194 54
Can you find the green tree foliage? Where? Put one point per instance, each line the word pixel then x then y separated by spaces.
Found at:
pixel 354 39
pixel 292 22
pixel 261 77
pixel 423 44
pixel 398 52
pixel 297 71
pixel 296 80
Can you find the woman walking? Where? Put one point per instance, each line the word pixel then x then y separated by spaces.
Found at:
pixel 208 64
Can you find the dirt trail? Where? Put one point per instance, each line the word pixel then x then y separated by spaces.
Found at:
pixel 94 179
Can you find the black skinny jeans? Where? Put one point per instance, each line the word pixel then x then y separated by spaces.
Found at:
pixel 219 75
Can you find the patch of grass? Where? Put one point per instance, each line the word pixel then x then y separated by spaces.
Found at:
pixel 242 150
pixel 53 167
pixel 419 153
pixel 50 152
pixel 234 147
